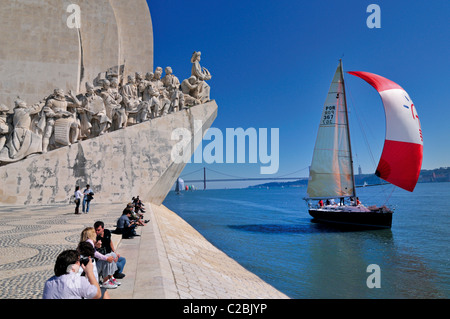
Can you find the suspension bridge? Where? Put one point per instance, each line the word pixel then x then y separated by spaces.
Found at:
pixel 234 178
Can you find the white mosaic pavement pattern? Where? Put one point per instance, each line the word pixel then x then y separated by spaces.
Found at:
pixel 170 260
pixel 32 237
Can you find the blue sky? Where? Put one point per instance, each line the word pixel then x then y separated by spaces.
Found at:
pixel 272 63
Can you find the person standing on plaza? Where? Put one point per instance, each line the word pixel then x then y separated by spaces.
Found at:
pixel 78 196
pixel 88 196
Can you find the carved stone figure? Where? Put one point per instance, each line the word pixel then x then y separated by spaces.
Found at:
pixel 22 142
pixel 157 83
pixel 145 86
pixel 4 125
pixel 62 126
pixel 172 84
pixel 164 101
pixel 203 75
pixel 139 79
pixel 60 120
pixel 115 87
pixel 170 81
pixel 94 117
pixel 130 94
pixel 113 99
pixel 152 104
pixel 131 99
pixel 189 88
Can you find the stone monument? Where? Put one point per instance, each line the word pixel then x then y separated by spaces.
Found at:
pixel 65 43
pixel 86 114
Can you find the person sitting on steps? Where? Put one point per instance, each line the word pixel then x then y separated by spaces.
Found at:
pixel 104 236
pixel 125 227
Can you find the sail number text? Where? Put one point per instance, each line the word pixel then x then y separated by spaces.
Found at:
pixel 328 115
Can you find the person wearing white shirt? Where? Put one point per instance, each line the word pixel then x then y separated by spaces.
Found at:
pixel 67 283
pixel 78 195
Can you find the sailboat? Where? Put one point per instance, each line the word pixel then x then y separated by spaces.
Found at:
pixel 331 172
pixel 179 186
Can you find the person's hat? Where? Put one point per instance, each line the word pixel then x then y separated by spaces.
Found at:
pixel 4 108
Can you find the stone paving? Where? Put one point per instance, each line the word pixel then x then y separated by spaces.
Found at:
pixel 32 237
pixel 170 260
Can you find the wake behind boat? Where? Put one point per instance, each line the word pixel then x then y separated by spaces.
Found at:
pixel 331 171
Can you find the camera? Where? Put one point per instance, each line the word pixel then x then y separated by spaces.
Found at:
pixel 84 260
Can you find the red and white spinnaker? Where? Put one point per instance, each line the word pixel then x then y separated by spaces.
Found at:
pixel 401 159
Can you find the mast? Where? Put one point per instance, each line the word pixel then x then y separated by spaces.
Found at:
pixel 348 132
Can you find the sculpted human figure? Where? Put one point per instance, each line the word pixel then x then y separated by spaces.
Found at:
pixel 131 99
pixel 57 109
pixel 130 94
pixel 203 75
pixel 170 81
pixel 172 84
pixel 157 83
pixel 23 141
pixel 189 88
pixel 145 86
pixel 114 85
pixel 121 113
pixel 4 125
pixel 113 99
pixel 94 117
pixel 139 79
pixel 164 101
pixel 38 121
pixel 152 103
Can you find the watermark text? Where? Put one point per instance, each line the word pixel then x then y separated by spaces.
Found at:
pixel 374 19
pixel 240 146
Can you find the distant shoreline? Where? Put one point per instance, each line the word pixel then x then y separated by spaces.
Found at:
pixel 426 176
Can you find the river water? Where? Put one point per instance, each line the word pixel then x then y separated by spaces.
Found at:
pixel 270 233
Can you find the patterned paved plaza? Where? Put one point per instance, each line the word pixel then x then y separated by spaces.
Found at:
pixel 170 260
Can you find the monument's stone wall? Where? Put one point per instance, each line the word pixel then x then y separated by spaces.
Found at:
pixel 40 52
pixel 134 23
pixel 118 165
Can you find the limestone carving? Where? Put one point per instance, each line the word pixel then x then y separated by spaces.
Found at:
pixel 62 125
pixel 131 99
pixel 158 85
pixel 93 116
pixel 146 86
pixel 139 80
pixel 152 103
pixel 22 142
pixel 63 119
pixel 4 125
pixel 115 109
pixel 172 84
pixel 203 75
pixel 189 88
